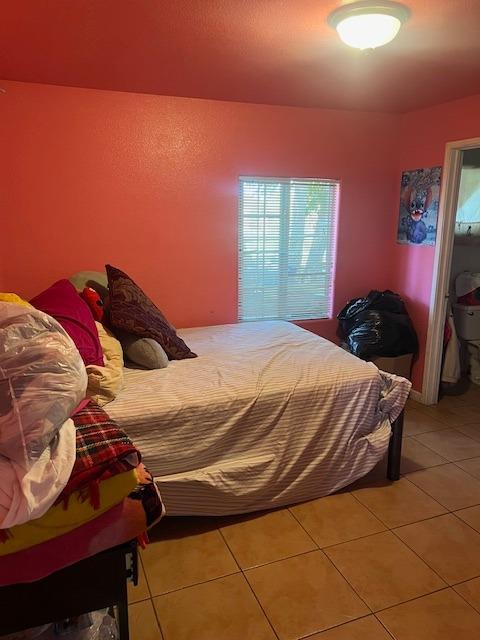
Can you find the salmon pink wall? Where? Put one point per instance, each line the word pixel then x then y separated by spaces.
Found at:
pixel 424 135
pixel 149 183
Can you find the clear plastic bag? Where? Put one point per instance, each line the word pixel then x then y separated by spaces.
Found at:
pixel 42 380
pixel 97 625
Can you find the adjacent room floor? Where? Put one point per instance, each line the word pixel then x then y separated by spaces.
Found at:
pixel 376 561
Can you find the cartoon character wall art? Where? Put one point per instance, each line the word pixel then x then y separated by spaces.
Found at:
pixel 419 195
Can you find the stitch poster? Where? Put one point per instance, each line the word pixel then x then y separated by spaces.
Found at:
pixel 419 195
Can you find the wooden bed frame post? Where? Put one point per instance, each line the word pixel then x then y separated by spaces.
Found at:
pixel 395 449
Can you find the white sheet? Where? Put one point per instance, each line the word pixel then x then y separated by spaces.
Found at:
pixel 267 415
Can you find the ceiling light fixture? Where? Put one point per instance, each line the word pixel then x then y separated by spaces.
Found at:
pixel 368 24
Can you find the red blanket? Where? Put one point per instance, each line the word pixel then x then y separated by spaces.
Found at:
pixel 103 450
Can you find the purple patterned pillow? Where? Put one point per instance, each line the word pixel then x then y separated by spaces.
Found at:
pixel 132 310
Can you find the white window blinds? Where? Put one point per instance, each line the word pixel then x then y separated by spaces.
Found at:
pixel 286 247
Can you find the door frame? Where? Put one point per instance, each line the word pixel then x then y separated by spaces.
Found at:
pixel 452 167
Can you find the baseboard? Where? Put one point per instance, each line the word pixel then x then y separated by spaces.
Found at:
pixel 416 396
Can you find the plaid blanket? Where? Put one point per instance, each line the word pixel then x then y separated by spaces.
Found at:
pixel 103 450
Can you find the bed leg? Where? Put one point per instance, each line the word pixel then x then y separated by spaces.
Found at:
pixel 395 449
pixel 122 609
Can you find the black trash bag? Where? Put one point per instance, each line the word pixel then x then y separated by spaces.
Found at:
pixel 378 325
pixel 376 300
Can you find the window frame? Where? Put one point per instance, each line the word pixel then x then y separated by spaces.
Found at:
pixel 284 221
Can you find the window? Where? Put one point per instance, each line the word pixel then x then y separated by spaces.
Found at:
pixel 286 248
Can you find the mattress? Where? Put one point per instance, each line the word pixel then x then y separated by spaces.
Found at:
pixel 267 415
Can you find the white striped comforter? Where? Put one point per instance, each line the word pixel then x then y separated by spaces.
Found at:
pixel 267 415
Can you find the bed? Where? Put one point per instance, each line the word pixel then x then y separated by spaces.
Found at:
pixel 267 415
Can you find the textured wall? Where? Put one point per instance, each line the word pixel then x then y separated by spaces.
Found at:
pixel 424 135
pixel 149 184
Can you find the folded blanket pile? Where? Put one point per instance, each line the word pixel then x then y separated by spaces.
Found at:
pixel 42 380
pixel 103 450
pixel 126 521
pixel 109 499
pixel 71 482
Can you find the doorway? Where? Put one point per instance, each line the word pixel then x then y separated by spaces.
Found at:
pixel 441 283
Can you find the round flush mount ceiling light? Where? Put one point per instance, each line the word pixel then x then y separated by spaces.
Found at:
pixel 368 24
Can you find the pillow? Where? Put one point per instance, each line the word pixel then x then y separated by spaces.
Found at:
pixel 93 279
pixel 63 303
pixel 144 352
pixel 105 383
pixel 132 311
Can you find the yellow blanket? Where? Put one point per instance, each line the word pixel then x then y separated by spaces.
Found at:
pixel 14 299
pixel 58 520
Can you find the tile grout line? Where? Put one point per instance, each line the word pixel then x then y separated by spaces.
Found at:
pixel 292 555
pixel 302 527
pixel 140 560
pixel 131 602
pixel 425 561
pixel 151 595
pixel 418 556
pixel 250 586
pixel 442 455
pixel 462 596
pixel 384 627
pixel 370 511
pixel 403 601
pixel 449 510
pixel 353 540
pixel 196 584
pixel 414 552
pixel 230 551
pixel 157 617
pixel 421 433
pixel 467 472
pixel 270 623
pixel 371 612
pixel 426 411
pixel 348 582
pixel 335 626
pixel 453 513
pixel 145 574
pixel 424 520
pixel 346 542
pixel 296 555
pixel 426 492
pixel 447 587
pixel 407 523
pixel 425 595
pixel 367 535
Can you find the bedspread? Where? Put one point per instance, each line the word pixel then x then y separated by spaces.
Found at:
pixel 268 414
